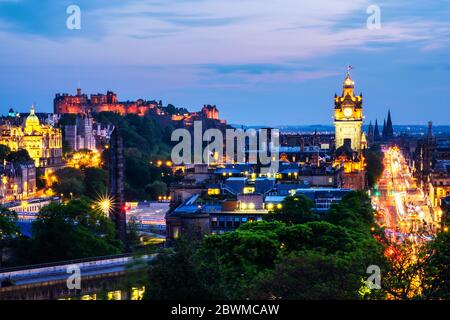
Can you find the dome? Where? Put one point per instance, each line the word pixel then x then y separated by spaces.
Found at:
pixel 32 122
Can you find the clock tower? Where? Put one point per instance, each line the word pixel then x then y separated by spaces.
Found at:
pixel 348 116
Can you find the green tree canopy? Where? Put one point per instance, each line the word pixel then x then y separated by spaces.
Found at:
pixel 4 151
pixel 95 182
pixel 19 156
pixel 69 180
pixel 70 231
pixel 295 209
pixel 375 167
pixel 8 229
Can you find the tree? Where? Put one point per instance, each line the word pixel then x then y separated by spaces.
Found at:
pixel 69 181
pixel 70 231
pixel 236 258
pixel 309 275
pixel 20 156
pixel 178 275
pixel 155 189
pixel 95 182
pixel 404 277
pixel 143 138
pixel 8 230
pixel 375 167
pixel 355 211
pixel 291 255
pixel 294 209
pixel 437 268
pixel 4 151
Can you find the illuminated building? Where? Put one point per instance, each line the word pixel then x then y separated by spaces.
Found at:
pixel 84 159
pixel 423 158
pixel 353 165
pixel 42 141
pixel 439 185
pixel 349 139
pixel 348 115
pixel 17 181
pixel 81 104
pixel 218 210
pixel 80 135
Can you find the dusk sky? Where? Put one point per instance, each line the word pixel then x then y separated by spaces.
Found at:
pixel 266 62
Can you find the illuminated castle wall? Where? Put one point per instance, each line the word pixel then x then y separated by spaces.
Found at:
pixel 81 104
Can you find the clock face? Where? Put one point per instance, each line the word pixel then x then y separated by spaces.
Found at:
pixel 348 112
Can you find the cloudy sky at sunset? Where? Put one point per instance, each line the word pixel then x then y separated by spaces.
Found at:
pixel 265 62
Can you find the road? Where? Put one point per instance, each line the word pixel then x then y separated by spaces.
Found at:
pixel 401 206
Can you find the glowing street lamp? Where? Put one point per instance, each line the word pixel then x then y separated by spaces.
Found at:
pixel 105 204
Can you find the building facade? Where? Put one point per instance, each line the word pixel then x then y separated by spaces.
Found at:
pixel 350 139
pixel 82 104
pixel 17 181
pixel 81 134
pixel 348 115
pixel 42 141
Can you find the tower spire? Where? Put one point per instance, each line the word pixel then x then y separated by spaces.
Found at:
pixel 389 127
pixel 430 131
pixel 376 132
pixel 349 67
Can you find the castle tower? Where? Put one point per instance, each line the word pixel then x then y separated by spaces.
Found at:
pixel 348 116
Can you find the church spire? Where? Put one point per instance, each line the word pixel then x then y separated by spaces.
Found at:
pixel 376 132
pixel 389 127
pixel 430 131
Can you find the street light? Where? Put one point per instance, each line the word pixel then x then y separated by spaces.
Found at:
pixel 105 204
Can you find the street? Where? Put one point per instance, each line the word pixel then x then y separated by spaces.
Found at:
pixel 400 205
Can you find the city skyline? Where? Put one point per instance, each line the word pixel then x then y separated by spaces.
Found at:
pixel 174 54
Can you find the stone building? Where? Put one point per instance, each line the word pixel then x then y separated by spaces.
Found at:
pixel 17 181
pixel 42 141
pixel 350 139
pixel 81 134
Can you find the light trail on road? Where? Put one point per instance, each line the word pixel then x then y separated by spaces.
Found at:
pixel 402 204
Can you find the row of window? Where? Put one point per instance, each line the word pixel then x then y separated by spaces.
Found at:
pixel 232 221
